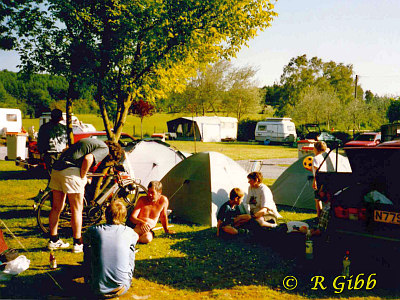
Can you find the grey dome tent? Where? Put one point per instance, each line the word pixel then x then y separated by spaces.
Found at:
pixel 151 160
pixel 200 184
pixel 294 187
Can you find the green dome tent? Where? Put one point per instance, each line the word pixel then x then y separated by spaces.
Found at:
pixel 294 186
pixel 200 184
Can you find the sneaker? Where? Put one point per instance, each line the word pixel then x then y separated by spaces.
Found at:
pixel 77 248
pixel 57 245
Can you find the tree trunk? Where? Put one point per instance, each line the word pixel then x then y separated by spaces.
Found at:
pixel 141 128
pixel 68 109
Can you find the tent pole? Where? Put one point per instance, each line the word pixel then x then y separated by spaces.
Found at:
pixel 194 133
pixel 298 197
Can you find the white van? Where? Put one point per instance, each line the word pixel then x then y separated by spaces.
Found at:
pixel 280 130
pixel 10 120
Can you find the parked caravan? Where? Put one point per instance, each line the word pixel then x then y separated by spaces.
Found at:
pixel 206 129
pixel 10 120
pixel 280 130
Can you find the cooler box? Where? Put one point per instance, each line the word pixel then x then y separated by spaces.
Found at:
pixel 305 147
pixel 16 145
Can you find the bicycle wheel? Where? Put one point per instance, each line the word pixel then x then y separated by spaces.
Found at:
pixel 130 193
pixel 43 212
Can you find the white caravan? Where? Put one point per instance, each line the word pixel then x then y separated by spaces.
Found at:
pixel 10 120
pixel 279 130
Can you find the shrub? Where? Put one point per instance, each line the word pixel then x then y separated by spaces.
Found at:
pixel 246 130
pixel 344 136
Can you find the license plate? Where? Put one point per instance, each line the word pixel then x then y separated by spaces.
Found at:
pixel 387 217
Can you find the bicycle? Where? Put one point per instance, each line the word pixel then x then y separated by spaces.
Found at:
pixel 118 185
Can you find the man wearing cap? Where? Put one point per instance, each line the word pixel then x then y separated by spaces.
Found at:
pixel 52 139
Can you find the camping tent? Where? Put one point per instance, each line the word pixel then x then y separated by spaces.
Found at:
pixel 151 160
pixel 294 186
pixel 200 184
pixel 206 129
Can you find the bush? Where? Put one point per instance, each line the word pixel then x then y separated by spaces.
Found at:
pixel 246 130
pixel 343 136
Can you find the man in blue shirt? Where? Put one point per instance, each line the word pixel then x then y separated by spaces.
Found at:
pixel 110 253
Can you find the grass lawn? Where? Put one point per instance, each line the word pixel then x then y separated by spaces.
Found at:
pixel 237 150
pixel 155 123
pixel 192 264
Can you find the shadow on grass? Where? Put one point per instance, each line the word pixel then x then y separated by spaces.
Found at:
pixel 15 212
pixel 212 263
pixel 65 283
pixel 36 173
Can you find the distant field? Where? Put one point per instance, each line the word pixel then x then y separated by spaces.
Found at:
pixel 155 123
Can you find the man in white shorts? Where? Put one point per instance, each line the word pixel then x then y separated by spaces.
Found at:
pixel 68 177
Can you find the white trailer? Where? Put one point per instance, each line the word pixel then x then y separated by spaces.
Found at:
pixel 10 120
pixel 206 129
pixel 279 130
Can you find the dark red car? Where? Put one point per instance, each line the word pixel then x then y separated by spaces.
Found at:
pixel 125 140
pixel 368 139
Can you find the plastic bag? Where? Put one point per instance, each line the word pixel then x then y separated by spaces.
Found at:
pixel 294 226
pixel 377 197
pixel 18 265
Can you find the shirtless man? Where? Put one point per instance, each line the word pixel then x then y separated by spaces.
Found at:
pixel 147 211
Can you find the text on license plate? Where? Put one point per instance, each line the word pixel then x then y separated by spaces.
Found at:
pixel 387 217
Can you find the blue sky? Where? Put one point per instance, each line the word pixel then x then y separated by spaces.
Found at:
pixel 363 33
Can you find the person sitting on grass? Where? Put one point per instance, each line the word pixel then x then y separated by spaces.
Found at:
pixel 109 253
pixel 148 210
pixel 260 203
pixel 229 216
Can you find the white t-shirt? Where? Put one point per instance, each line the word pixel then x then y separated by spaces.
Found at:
pixel 260 197
pixel 317 161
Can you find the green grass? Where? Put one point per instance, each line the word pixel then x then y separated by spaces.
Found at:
pixel 192 264
pixel 156 123
pixel 237 150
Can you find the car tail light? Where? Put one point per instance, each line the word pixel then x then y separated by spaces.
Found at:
pixel 351 213
pixel 341 212
pixel 362 214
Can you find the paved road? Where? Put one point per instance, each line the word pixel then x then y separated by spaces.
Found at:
pixel 270 168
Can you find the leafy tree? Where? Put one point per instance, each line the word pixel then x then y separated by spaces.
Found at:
pixel 222 88
pixel 243 96
pixel 129 49
pixel 302 73
pixel 393 112
pixel 273 94
pixel 317 106
pixel 142 109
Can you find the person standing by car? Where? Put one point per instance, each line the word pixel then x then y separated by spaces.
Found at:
pixel 319 149
pixel 52 139
pixel 68 177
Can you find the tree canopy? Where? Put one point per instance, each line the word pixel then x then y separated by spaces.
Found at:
pixel 302 73
pixel 220 88
pixel 129 50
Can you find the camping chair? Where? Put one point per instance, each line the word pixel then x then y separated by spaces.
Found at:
pixel 254 166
